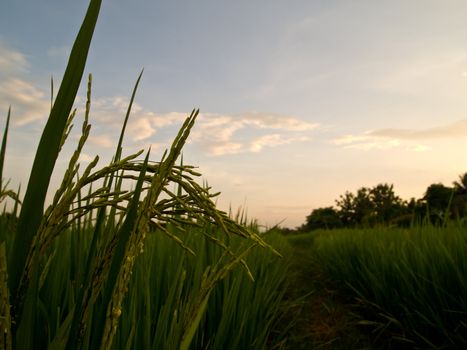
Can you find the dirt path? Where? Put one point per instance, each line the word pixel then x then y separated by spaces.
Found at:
pixel 326 318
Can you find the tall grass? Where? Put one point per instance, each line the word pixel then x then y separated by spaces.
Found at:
pixel 71 276
pixel 414 279
pixel 167 283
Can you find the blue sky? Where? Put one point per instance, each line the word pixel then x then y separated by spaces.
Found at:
pixel 300 100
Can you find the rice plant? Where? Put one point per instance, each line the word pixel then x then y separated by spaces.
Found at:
pixel 414 281
pixel 165 286
pixel 67 273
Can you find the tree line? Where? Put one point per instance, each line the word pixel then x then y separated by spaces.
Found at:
pixel 381 206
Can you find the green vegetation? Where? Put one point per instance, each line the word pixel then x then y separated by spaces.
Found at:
pixel 160 267
pixel 74 276
pixel 322 313
pixel 406 287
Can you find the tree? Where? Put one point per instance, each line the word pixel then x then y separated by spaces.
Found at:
pixel 461 185
pixel 356 209
pixel 415 210
pixel 387 205
pixel 459 201
pixel 322 218
pixel 370 206
pixel 438 199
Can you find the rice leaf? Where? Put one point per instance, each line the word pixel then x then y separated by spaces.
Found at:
pixel 117 263
pixel 118 152
pixel 46 155
pixel 3 149
pixel 191 330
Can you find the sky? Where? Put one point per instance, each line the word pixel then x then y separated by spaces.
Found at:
pixel 300 100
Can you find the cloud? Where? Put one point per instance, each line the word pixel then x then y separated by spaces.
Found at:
pixel 142 123
pixel 366 142
pixel 276 121
pixel 28 103
pixel 402 138
pixel 141 129
pixel 232 134
pixel 85 158
pixel 102 141
pixel 456 129
pixel 274 140
pixel 216 134
pixel 11 61
pixel 225 148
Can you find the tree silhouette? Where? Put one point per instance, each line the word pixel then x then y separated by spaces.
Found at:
pixel 379 205
pixel 461 185
pixel 322 218
pixel 387 205
pixel 370 206
pixel 438 199
pixel 459 201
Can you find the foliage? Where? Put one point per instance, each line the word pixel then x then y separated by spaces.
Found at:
pixel 327 218
pixel 67 271
pixel 414 279
pixel 370 206
pixel 438 199
pixel 167 282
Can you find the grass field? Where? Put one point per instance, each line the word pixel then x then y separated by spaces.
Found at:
pixel 165 288
pixel 82 271
pixel 393 288
pixel 159 266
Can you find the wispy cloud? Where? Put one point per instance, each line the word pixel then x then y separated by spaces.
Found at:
pixel 276 121
pixel 402 138
pixel 366 142
pixel 274 140
pixel 107 115
pixel 456 129
pixel 141 128
pixel 101 141
pixel 231 134
pixel 216 134
pixel 11 61
pixel 28 102
pixel 85 158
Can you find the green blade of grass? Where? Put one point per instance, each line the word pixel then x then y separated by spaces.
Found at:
pixel 118 153
pixel 79 313
pixel 193 326
pixel 47 152
pixel 3 149
pixel 118 259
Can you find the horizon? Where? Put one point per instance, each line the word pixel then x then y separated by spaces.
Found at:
pixel 299 102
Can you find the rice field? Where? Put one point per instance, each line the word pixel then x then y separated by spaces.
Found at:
pixel 104 267
pixel 159 266
pixel 164 292
pixel 407 287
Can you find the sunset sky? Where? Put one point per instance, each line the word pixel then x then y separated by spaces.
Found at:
pixel 300 100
